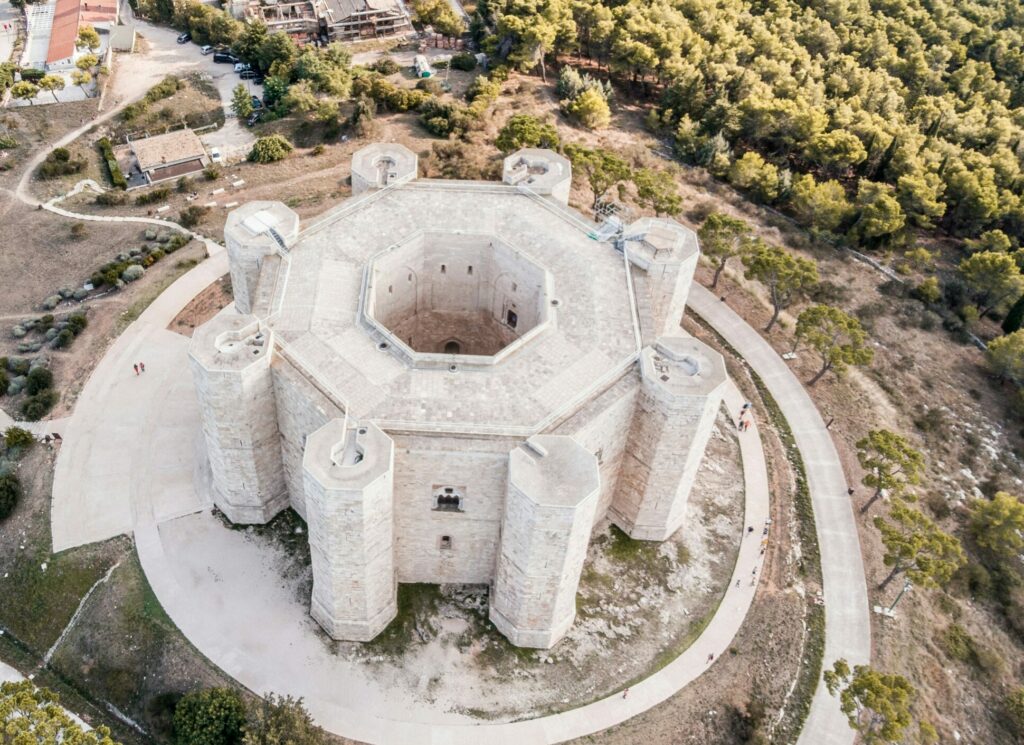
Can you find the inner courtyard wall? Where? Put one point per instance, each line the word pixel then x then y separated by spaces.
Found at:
pixel 455 277
pixel 475 332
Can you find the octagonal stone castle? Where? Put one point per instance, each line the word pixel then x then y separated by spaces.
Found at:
pixel 453 382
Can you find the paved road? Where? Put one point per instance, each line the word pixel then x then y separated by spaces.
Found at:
pixel 10 19
pixel 847 620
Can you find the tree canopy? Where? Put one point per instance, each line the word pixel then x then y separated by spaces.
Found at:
pixel 34 716
pixel 721 238
pixel 784 275
pixel 524 130
pixel 891 464
pixel 998 524
pixel 876 704
pixel 915 545
pixel 1005 356
pixel 914 110
pixel 836 336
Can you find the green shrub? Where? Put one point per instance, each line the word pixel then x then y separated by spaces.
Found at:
pixel 164 89
pixel 59 163
pixel 110 198
pixel 464 61
pixel 5 382
pixel 63 339
pixel 7 142
pixel 430 85
pixel 36 407
pixel 77 323
pixel 31 74
pixel 211 173
pixel 214 716
pixel 386 66
pixel 10 493
pixel 957 643
pixel 18 365
pixel 16 437
pixel 191 216
pixel 154 196
pixel 113 169
pixel 269 149
pixel 39 379
pixel 1015 708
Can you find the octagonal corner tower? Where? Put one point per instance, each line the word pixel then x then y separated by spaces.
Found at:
pixel 230 357
pixel 453 382
pixel 348 476
pixel 253 233
pixel 683 381
pixel 543 172
pixel 553 484
pixel 382 164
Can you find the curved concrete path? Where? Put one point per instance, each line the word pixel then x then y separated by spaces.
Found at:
pixel 847 620
pixel 128 464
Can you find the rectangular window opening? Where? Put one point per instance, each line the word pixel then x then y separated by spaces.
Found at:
pixel 469 270
pixel 443 269
pixel 446 543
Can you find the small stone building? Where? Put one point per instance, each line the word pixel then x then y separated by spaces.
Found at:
pixel 167 156
pixel 453 382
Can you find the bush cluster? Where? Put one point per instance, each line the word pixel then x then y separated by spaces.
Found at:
pixel 7 142
pixel 116 177
pixel 218 716
pixel 445 119
pixel 142 257
pixel 110 198
pixel 465 61
pixel 269 149
pixel 59 163
pixel 164 89
pixel 152 197
pixel 10 493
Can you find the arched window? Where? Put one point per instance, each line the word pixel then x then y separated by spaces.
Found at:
pixel 448 499
pixel 452 347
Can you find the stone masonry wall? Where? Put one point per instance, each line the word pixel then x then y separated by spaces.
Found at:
pixel 476 468
pixel 301 411
pixel 240 428
pixel 602 427
pixel 666 444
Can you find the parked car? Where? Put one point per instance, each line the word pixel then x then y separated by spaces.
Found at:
pixel 254 117
pixel 215 156
pixel 256 103
pixel 258 80
pixel 247 74
pixel 241 66
pixel 184 38
pixel 206 50
pixel 224 57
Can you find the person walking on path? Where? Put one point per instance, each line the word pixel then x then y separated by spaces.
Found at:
pixel 711 658
pixel 136 368
pixel 625 693
pixel 142 366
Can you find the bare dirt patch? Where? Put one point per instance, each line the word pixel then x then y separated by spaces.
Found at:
pixel 203 307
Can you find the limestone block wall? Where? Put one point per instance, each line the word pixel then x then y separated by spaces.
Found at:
pixel 477 471
pixel 230 360
pixel 553 486
pixel 248 239
pixel 348 478
pixel 602 427
pixel 301 411
pixel 681 391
